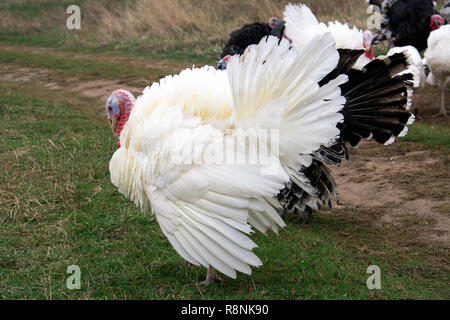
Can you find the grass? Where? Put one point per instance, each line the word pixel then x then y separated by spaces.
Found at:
pixel 58 208
pixel 64 66
pixel 133 49
pixel 433 136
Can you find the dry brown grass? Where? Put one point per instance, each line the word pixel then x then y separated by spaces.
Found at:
pixel 13 21
pixel 203 22
pixel 168 23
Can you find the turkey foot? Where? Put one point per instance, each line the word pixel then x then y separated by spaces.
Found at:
pixel 211 276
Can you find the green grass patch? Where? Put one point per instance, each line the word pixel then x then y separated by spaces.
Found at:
pixel 47 40
pixel 151 48
pixel 72 66
pixel 58 208
pixel 433 136
pixel 33 9
pixel 380 50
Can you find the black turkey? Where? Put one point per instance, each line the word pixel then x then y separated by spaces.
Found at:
pixel 247 35
pixel 408 22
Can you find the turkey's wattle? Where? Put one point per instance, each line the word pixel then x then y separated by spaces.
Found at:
pixel 367 44
pixel 118 108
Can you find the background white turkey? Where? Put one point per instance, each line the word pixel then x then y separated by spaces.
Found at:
pixel 437 58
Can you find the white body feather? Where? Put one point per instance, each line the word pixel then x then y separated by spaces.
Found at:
pixel 302 25
pixel 437 56
pixel 207 209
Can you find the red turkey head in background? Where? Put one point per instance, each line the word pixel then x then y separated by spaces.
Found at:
pixel 436 22
pixel 118 109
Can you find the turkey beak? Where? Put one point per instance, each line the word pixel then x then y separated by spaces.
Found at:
pixel 113 124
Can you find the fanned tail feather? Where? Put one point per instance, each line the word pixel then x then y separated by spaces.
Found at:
pixel 377 101
pixel 299 195
pixel 377 104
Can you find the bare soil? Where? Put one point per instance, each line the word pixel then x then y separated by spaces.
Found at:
pixel 89 88
pixel 401 186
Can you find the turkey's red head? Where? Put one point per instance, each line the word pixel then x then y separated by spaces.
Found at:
pixel 118 109
pixel 436 22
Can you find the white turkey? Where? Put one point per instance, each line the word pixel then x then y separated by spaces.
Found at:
pixel 437 58
pixel 170 164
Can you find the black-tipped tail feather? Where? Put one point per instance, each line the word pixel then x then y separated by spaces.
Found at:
pixel 316 184
pixel 377 101
pixel 377 104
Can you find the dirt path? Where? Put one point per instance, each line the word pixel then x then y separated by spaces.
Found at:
pixel 89 88
pixel 401 185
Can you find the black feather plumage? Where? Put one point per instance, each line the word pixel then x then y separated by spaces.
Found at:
pixel 376 101
pixel 278 29
pixel 242 38
pixel 409 21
